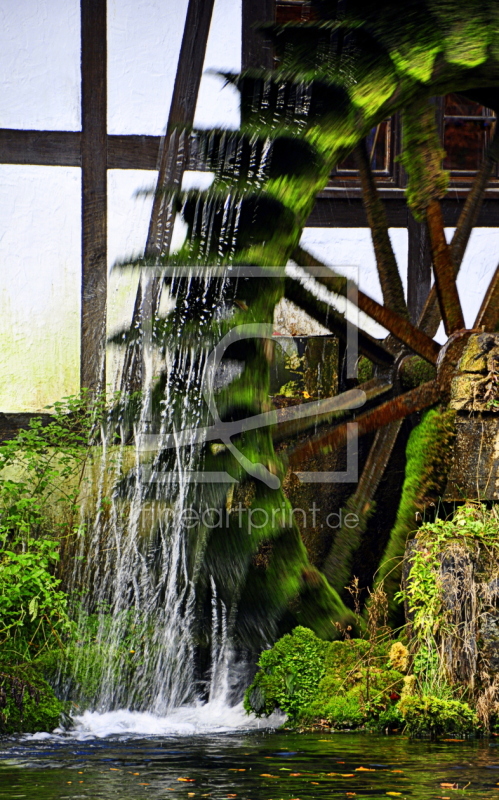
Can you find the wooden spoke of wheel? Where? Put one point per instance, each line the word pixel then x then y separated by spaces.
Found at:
pixel 488 316
pixel 430 316
pixel 444 271
pixel 331 319
pixel 285 428
pixel 402 406
pixel 337 564
pixel 389 277
pixel 399 326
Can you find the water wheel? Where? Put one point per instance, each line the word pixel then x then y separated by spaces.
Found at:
pixel 336 80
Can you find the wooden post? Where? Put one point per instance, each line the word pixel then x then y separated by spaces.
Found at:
pixel 94 193
pixel 256 51
pixel 418 267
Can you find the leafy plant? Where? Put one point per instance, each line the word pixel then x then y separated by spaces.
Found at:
pixel 41 471
pixel 432 620
pixel 345 684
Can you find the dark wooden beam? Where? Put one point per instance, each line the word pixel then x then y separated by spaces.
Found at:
pixel 418 267
pixel 63 149
pixel 348 212
pixel 94 193
pixel 47 148
pixel 173 160
pixel 11 424
pixel 257 51
pixel 133 152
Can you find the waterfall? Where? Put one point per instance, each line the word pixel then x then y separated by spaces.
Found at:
pixel 138 555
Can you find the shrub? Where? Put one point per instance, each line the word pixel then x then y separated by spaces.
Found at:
pixel 40 471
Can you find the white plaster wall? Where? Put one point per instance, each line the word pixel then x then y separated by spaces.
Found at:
pixel 40 235
pixel 144 40
pixel 40 64
pixel 40 257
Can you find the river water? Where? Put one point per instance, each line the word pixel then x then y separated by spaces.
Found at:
pixel 206 752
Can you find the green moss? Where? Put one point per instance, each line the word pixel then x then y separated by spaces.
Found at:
pixel 27 702
pixel 365 370
pixel 415 371
pixel 422 158
pixel 428 451
pixel 434 717
pixel 349 683
pixel 289 674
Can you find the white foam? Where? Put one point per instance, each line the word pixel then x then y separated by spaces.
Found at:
pixel 185 721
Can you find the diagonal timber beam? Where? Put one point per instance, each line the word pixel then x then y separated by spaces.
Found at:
pixel 173 161
pixel 331 319
pixel 388 273
pixel 468 219
pixel 444 271
pixel 285 429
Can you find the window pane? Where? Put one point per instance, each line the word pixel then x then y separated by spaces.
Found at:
pixel 464 142
pixel 378 146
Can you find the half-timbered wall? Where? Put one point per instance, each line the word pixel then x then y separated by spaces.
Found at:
pixel 53 175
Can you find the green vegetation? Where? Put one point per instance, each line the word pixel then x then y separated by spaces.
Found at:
pixel 27 702
pixel 450 599
pixel 41 473
pixel 346 684
pixel 437 717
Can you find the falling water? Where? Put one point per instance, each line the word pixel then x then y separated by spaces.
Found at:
pixel 146 647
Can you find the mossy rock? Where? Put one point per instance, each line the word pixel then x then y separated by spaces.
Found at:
pixel 344 683
pixel 27 702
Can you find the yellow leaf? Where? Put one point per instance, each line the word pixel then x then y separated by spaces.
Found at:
pixel 394 794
